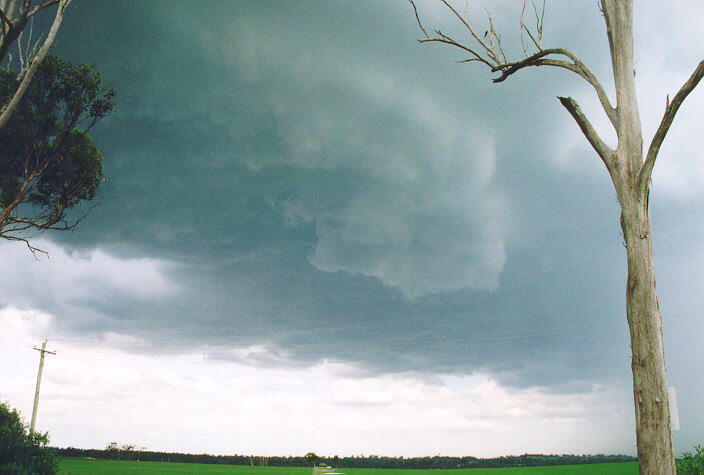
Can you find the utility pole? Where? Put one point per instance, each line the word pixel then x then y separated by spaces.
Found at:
pixel 41 350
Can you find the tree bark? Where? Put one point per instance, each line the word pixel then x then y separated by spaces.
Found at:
pixel 630 175
pixel 655 451
pixel 654 440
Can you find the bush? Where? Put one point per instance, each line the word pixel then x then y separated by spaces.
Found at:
pixel 22 452
pixel 691 463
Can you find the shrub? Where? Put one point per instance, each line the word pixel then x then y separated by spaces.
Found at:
pixel 22 452
pixel 692 463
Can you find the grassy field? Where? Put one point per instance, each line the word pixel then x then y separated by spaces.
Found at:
pixel 77 466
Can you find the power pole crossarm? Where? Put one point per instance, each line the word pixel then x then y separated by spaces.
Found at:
pixel 42 351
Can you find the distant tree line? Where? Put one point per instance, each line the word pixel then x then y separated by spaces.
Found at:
pixel 370 461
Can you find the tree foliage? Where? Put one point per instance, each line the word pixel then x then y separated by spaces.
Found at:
pixel 311 459
pixel 692 463
pixel 22 451
pixel 124 451
pixel 48 162
pixel 14 18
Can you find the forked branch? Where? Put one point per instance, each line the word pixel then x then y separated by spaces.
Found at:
pixel 538 43
pixel 33 249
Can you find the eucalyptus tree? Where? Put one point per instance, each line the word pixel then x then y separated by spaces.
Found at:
pixel 48 161
pixel 15 16
pixel 630 170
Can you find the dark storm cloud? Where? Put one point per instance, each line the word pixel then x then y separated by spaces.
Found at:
pixel 322 184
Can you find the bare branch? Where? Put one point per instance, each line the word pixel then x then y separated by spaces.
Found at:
pixel 588 76
pixel 523 42
pixel 530 35
pixel 11 8
pixel 5 20
pixel 442 38
pixel 670 112
pixel 539 23
pixel 24 9
pixel 42 6
pixel 507 69
pixel 20 55
pixel 7 110
pixel 420 25
pixel 538 43
pixel 33 249
pixel 576 66
pixel 495 59
pixel 494 33
pixel 604 151
pixel 489 51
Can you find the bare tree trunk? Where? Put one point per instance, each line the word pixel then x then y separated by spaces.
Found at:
pixel 655 452
pixel 654 440
pixel 630 175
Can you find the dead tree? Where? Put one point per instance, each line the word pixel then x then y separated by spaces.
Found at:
pixel 15 17
pixel 630 171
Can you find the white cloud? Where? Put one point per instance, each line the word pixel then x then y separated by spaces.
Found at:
pixel 94 392
pixel 69 277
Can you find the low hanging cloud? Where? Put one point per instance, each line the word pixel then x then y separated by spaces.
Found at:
pixel 116 394
pixel 417 208
pixel 315 176
pixel 423 218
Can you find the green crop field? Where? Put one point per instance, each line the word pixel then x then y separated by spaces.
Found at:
pixel 78 466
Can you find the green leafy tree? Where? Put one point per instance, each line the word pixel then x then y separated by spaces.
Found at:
pixel 114 450
pixel 48 162
pixel 22 451
pixel 311 459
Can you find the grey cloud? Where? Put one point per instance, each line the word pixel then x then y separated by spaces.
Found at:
pixel 307 173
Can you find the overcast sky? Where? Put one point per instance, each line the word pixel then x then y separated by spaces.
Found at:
pixel 319 235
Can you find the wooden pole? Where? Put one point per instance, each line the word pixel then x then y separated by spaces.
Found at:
pixel 41 350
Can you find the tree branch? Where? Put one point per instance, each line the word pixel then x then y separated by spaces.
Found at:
pixel 497 63
pixel 420 25
pixel 576 66
pixel 5 20
pixel 490 51
pixel 42 6
pixel 670 112
pixel 33 249
pixel 604 151
pixel 9 108
pixel 442 38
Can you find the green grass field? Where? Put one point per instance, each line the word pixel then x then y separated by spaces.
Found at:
pixel 77 466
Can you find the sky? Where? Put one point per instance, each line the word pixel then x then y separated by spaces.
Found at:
pixel 319 235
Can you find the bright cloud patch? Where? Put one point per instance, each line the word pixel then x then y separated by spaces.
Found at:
pixel 168 400
pixel 79 278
